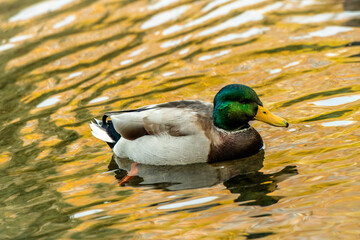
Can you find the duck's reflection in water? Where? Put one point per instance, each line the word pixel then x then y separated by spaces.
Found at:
pixel 254 187
pixel 239 176
pixel 352 6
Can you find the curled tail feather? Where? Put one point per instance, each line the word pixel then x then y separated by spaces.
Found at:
pixel 104 130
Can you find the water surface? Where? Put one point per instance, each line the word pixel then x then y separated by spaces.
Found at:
pixel 63 63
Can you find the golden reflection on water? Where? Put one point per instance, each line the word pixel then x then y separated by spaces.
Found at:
pixel 62 67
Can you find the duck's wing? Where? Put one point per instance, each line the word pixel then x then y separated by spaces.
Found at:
pixel 180 118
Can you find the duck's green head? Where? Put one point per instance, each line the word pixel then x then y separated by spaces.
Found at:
pixel 236 104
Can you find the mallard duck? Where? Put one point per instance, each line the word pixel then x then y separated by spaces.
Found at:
pixel 185 132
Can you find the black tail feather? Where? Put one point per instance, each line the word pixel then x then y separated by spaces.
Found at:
pixel 109 127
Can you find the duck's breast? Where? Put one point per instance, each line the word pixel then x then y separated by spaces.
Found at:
pixel 232 145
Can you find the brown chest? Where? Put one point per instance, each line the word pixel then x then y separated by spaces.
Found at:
pixel 233 145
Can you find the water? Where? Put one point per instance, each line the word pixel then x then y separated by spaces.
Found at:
pixel 64 62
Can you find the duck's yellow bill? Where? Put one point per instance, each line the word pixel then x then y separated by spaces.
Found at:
pixel 265 115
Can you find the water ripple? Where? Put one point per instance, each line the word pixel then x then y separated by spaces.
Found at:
pixel 62 63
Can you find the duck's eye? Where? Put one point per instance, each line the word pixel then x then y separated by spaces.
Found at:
pixel 243 101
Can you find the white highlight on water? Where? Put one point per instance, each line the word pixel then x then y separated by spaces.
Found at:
pixel 148 63
pixel 336 101
pixel 161 4
pixel 20 38
pixel 326 32
pixel 166 74
pixel 39 9
pixel 249 33
pixel 164 17
pixel 172 43
pixel 221 11
pixel 214 4
pixel 248 16
pixel 137 52
pixel 276 70
pixel 184 51
pixel 292 64
pixel 86 213
pixel 49 102
pixel 127 61
pixel 75 74
pixel 6 46
pixel 99 99
pixel 66 21
pixel 337 123
pixel 188 203
pixel 323 17
pixel 210 56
